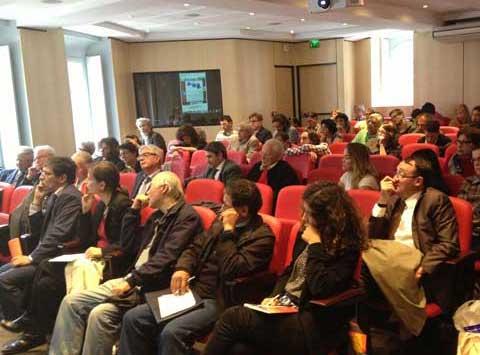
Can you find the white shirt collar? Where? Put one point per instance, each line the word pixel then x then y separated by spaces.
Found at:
pixel 412 200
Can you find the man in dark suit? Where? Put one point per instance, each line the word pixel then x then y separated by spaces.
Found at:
pixel 148 135
pixel 433 136
pixel 219 167
pixel 16 177
pixel 151 160
pixel 272 170
pixel 262 134
pixel 53 214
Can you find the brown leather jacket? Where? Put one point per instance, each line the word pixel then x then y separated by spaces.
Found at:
pixel 435 229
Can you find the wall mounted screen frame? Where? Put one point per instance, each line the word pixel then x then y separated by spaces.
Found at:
pixel 174 98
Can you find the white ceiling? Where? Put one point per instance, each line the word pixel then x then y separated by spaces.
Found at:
pixel 156 20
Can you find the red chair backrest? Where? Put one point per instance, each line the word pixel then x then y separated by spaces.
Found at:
pixel 127 181
pixel 450 151
pixel 338 147
pixel 180 168
pixel 348 137
pixel 206 215
pixel 452 136
pixel 364 200
pixel 449 130
pixel 464 214
pixel 325 174
pixel 255 158
pixel 267 198
pixel 409 149
pixel 409 138
pixel 17 197
pixel 145 214
pixel 226 143
pixel 204 190
pixel 331 161
pixel 237 157
pixel 301 163
pixel 6 195
pixel 198 162
pixel 443 165
pixel 454 183
pixel 385 165
pixel 353 123
pixel 278 257
pixel 289 200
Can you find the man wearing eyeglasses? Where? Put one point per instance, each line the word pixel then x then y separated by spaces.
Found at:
pixel 256 121
pixel 421 232
pixel 151 160
pixel 461 162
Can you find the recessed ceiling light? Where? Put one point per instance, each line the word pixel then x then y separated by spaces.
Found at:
pixel 186 4
pixel 292 32
pixel 345 24
pixel 302 19
pixel 425 6
pixel 251 13
pixel 196 23
pixel 247 28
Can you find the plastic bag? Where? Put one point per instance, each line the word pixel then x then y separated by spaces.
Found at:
pixel 467 322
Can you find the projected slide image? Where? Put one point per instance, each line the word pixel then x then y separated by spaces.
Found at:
pixel 193 92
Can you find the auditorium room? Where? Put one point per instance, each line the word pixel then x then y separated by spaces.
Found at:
pixel 240 177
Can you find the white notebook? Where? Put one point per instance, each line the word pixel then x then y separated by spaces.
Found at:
pixel 67 258
pixel 171 304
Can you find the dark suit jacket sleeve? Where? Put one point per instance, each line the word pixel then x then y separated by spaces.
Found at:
pixel 67 209
pixel 254 173
pixel 242 258
pixel 115 218
pixel 379 227
pixel 131 232
pixel 445 245
pixel 138 181
pixel 164 259
pixel 159 142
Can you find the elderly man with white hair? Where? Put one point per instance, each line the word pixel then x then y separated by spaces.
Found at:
pixel 245 141
pixel 17 176
pixel 150 158
pixel 147 134
pixel 89 322
pixel 41 154
pixel 272 170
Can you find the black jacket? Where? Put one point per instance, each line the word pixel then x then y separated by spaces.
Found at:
pixel 57 224
pixel 442 143
pixel 176 230
pixel 216 256
pixel 156 139
pixel 229 171
pixel 263 135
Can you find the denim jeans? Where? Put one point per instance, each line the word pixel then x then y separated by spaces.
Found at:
pixel 140 331
pixel 85 318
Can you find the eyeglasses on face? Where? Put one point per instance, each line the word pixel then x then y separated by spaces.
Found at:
pixel 403 175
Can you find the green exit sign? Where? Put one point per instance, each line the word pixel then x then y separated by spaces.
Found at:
pixel 314 43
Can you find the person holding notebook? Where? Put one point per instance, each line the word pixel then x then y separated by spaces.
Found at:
pixel 324 260
pixel 238 244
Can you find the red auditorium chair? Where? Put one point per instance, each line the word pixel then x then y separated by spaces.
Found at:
pixel 409 138
pixel 255 158
pixel 198 163
pixel 338 147
pixel 180 167
pixel 450 151
pixel 127 181
pixel 364 200
pixel 16 197
pixel 267 198
pixel 204 190
pixel 452 136
pixel 454 183
pixel 331 161
pixel 325 174
pixel 386 165
pixel 353 123
pixel 226 143
pixel 145 214
pixel 237 157
pixel 449 130
pixel 409 149
pixel 302 164
pixel 6 191
pixel 348 137
pixel 207 216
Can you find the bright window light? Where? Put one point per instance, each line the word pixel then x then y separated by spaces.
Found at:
pixel 97 97
pixel 392 69
pixel 9 137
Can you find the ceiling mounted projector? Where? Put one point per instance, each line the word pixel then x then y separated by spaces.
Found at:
pixel 326 5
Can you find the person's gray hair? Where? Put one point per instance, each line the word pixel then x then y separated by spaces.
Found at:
pixel 276 148
pixel 83 156
pixel 24 150
pixel 141 120
pixel 175 190
pixel 44 148
pixel 88 147
pixel 151 148
pixel 245 126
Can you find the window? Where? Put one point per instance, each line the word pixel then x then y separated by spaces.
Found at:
pixel 392 69
pixel 88 99
pixel 9 137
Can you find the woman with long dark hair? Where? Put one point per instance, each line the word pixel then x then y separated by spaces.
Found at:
pixel 324 260
pixel 359 173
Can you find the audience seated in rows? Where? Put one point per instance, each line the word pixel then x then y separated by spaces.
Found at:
pixel 280 123
pixel 53 214
pixel 151 160
pixel 90 321
pixel 476 117
pixel 429 108
pixel 272 170
pixel 238 244
pixel 359 173
pixel 401 125
pixel 324 259
pixel 82 161
pixel 420 226
pixel 388 141
pixel 245 141
pixel 148 135
pixel 433 136
pixel 368 136
pixel 430 159
pixel 16 177
pixel 421 121
pixel 462 116
pixel 100 232
pixel 108 148
pixel 470 191
pixel 461 162
pixel 129 155
pixel 359 112
pixel 309 144
pixel 219 166
pixel 311 119
pixel 132 138
pixel 187 139
pixel 88 147
pixel 343 125
pixel 328 131
pixel 227 133
pixel 262 134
